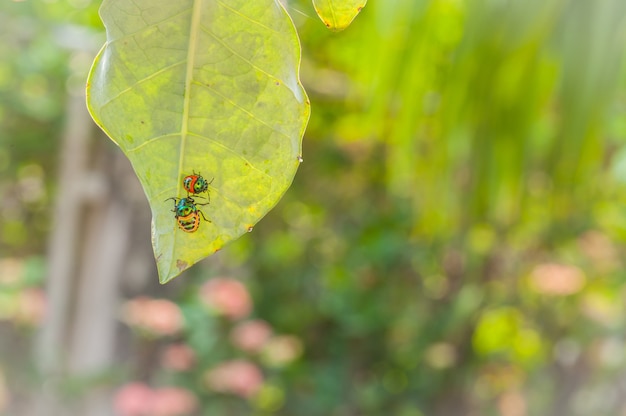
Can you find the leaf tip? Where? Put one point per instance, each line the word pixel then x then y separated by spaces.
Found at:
pixel 165 276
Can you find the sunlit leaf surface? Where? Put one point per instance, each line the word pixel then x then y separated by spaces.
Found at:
pixel 206 86
pixel 338 14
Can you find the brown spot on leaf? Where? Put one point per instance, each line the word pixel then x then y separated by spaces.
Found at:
pixel 181 265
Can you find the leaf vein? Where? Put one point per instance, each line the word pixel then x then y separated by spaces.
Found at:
pixel 223 146
pixel 153 139
pixel 148 26
pixel 247 112
pixel 139 82
pixel 234 11
pixel 240 56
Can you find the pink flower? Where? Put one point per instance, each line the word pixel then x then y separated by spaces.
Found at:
pixel 173 401
pixel 557 279
pixel 238 377
pixel 157 316
pixel 251 336
pixel 133 399
pixel 137 399
pixel 512 403
pixel 227 297
pixel 178 357
pixel 31 307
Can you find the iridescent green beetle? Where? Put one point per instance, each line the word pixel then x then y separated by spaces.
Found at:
pixel 187 214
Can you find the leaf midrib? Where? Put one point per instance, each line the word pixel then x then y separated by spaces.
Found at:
pixel 191 55
pixel 196 13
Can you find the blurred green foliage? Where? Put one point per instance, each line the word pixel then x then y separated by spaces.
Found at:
pixel 45 53
pixel 453 241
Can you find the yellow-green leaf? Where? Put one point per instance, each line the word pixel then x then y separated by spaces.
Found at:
pixel 338 14
pixel 206 86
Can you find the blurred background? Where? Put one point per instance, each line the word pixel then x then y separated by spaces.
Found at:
pixel 453 244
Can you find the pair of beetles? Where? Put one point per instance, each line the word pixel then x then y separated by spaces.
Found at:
pixel 186 210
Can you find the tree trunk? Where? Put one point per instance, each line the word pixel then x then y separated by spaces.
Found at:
pixel 92 230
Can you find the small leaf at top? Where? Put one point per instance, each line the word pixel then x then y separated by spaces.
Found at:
pixel 338 14
pixel 208 87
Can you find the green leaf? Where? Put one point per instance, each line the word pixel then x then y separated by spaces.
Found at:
pixel 338 14
pixel 206 86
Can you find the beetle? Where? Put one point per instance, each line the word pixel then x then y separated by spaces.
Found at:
pixel 189 223
pixel 196 184
pixel 187 213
